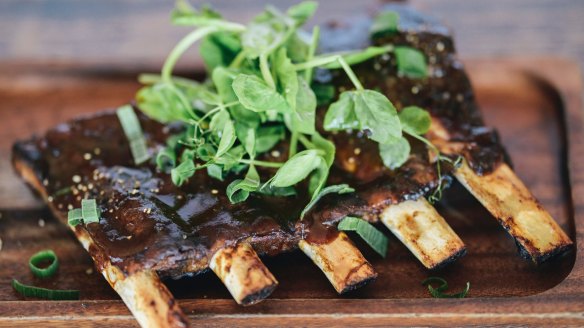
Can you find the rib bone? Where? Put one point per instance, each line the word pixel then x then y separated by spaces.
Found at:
pixel 341 262
pixel 243 273
pixel 537 235
pixel 144 294
pixel 424 232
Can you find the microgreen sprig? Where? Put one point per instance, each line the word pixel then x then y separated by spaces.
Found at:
pixel 260 92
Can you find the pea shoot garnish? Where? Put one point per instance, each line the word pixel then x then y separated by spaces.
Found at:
pixel 260 91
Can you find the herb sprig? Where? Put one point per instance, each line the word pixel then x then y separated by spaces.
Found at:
pixel 260 92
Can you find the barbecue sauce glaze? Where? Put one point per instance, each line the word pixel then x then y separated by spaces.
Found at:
pixel 148 223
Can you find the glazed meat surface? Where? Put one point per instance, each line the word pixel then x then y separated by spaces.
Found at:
pixel 149 223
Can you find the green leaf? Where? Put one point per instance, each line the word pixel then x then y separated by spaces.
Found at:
pixel 267 137
pixel 89 211
pixel 256 95
pixel 341 114
pixel 297 47
pixel 223 80
pixel 302 11
pixel 415 120
pixel 325 93
pixel 247 137
pixel 287 77
pixel 411 62
pixel 219 49
pixel 296 168
pixel 334 189
pixel 186 15
pixel 166 159
pixel 327 146
pixel 205 152
pixel 373 237
pixel 395 153
pixel 376 115
pixel 231 158
pixel 227 138
pixel 304 119
pixel 182 172
pixel 385 23
pixel 162 102
pixel 270 190
pixel 258 38
pixel 218 121
pixel 238 190
pixel 215 171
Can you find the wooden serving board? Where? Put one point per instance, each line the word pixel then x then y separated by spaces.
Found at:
pixel 536 104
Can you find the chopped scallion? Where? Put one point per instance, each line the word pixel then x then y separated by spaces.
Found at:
pixel 133 131
pixel 438 292
pixel 89 211
pixel 42 256
pixel 75 217
pixel 50 294
pixel 373 237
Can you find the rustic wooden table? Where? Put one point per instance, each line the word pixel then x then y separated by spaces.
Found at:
pixel 130 31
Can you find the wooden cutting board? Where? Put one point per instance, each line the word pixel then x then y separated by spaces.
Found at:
pixel 536 104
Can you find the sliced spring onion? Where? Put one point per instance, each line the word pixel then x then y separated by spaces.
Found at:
pixel 373 237
pixel 45 255
pixel 50 294
pixel 133 131
pixel 439 291
pixel 75 217
pixel 89 211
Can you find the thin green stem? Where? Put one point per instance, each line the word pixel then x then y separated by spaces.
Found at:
pixel 236 63
pixel 316 62
pixel 350 73
pixel 181 47
pixel 293 144
pixel 311 52
pixel 307 143
pixel 265 69
pixel 262 163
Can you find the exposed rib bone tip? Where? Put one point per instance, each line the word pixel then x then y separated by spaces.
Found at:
pixel 341 262
pixel 424 232
pixel 243 273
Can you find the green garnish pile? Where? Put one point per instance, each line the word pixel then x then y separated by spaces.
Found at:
pixel 260 91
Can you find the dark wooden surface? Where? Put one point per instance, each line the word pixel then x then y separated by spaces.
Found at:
pixel 132 31
pixel 536 106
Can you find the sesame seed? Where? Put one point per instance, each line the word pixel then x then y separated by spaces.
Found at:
pixel 184 236
pixel 41 223
pixel 214 191
pixel 446 95
pixel 415 90
pixel 357 151
pixel 50 199
pixel 76 179
pixel 275 153
pixel 60 206
pixel 440 46
pixel 111 210
pixel 149 211
pixel 87 156
pixel 97 151
pixel 45 182
pixel 459 97
pixel 69 207
pixel 351 160
pixel 90 186
pixel 89 271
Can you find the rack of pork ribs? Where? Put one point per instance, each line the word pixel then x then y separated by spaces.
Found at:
pixel 150 228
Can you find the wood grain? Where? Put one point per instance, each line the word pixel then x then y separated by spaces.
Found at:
pixel 535 104
pixel 127 32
